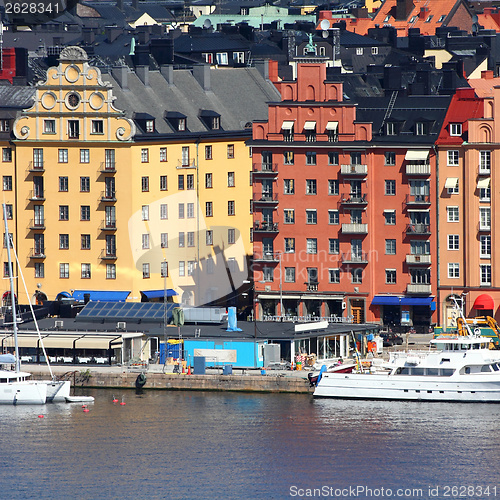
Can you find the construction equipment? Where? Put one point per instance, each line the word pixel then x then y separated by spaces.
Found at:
pixel 486 326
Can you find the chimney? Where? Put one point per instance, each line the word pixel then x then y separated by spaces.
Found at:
pixel 112 33
pixel 168 73
pixel 403 9
pixel 487 75
pixel 201 73
pixel 88 36
pixel 119 4
pixel 120 74
pixel 143 74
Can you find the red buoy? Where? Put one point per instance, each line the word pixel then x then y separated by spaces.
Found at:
pixel 86 410
pixel 123 403
pixel 40 416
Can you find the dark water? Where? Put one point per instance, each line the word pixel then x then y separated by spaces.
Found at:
pixel 196 445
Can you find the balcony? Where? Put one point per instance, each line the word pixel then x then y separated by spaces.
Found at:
pixel 107 167
pixel 354 169
pixel 36 224
pixel 267 198
pixel 353 199
pixel 418 199
pixel 108 255
pixel 414 169
pixel 265 227
pixel 355 228
pixel 187 163
pixel 311 286
pixel 354 258
pixel 37 253
pixel 423 229
pixel 484 170
pixel 484 226
pixel 37 166
pixel 422 259
pixel 108 225
pixel 266 257
pixel 419 288
pixel 265 169
pixel 108 196
pixel 36 196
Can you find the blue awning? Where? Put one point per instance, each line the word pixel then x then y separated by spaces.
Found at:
pixel 386 300
pixel 67 295
pixel 101 295
pixel 158 294
pixel 416 301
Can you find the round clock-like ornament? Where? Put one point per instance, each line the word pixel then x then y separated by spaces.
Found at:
pixel 73 100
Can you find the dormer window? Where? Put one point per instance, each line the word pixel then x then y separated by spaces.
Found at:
pixel 374 51
pixel 413 19
pixel 150 126
pixel 210 118
pixel 390 128
pixel 4 125
pixel 387 18
pixel 442 18
pixel 420 128
pixel 176 120
pixel 429 19
pixel 181 126
pixel 146 122
pixel 456 129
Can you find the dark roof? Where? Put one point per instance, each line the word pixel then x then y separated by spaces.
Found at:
pixel 210 42
pixel 16 97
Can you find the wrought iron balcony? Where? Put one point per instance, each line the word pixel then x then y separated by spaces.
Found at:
pixel 37 253
pixel 108 167
pixel 190 163
pixel 37 166
pixel 424 229
pixel 353 199
pixel 108 225
pixel 311 286
pixel 354 258
pixel 265 168
pixel 265 227
pixel 353 169
pixel 36 195
pixel 266 257
pixel 268 198
pixel 37 224
pixel 423 259
pixel 418 199
pixel 108 254
pixel 108 195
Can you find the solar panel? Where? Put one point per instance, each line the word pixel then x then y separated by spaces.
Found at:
pixel 123 311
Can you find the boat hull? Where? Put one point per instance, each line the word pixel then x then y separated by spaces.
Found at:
pixel 57 391
pixel 483 388
pixel 23 393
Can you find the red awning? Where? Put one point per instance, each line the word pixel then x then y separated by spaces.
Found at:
pixel 484 301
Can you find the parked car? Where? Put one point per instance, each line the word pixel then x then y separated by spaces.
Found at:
pixel 391 339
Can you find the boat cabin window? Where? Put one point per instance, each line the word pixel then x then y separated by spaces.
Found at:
pixel 433 371
pixel 495 367
pixel 439 372
pixel 485 368
pixel 417 371
pixel 3 380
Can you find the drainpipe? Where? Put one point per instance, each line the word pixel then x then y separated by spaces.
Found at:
pixel 197 144
pixel 438 305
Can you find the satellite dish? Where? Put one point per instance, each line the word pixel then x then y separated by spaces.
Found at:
pixel 324 34
pixel 325 24
pixel 207 23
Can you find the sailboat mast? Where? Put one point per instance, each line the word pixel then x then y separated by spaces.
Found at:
pixel 8 243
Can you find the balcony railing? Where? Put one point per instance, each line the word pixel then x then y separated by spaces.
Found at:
pixel 484 226
pixel 414 169
pixel 418 288
pixel 266 257
pixel 37 253
pixel 267 227
pixel 353 169
pixel 423 259
pixel 484 170
pixel 265 168
pixel 265 198
pixel 108 166
pixel 353 199
pixel 311 286
pixel 354 258
pixel 36 196
pixel 186 163
pixel 108 196
pixel 36 166
pixel 108 254
pixel 108 225
pixel 418 199
pixel 37 224
pixel 418 229
pixel 355 228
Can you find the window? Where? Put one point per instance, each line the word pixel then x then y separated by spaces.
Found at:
pixel 144 155
pixel 311 186
pixel 484 162
pixel 39 270
pixel 181 210
pixel 164 240
pixel 63 156
pixel 390 276
pixel 97 127
pixel 374 51
pixel 63 212
pixel 333 186
pixel 359 51
pixel 85 241
pixel 420 247
pixel 420 128
pixel 289 245
pixel 231 236
pixel 208 181
pixel 428 20
pixel 85 212
pixel 163 154
pixel 454 189
pixel 7 183
pixel 267 274
pixel 289 186
pixel 185 155
pixel 333 246
pixel 420 276
pixel 311 217
pixel 10 213
pixel 86 271
pixel 163 183
pixel 334 275
pixel 390 247
pixel 455 129
pixel 390 187
pixel 163 211
pixel 485 194
pixel 181 124
pixel 208 152
pixel 310 158
pixel 289 274
pixel 73 129
pixel 221 58
pixel 110 271
pixel 145 184
pixel 109 159
pixel 150 126
pixel 209 237
pixel 390 217
pixel 310 134
pixel 485 274
pixel 64 271
pixel 181 240
pixel 288 158
pixel 84 155
pixel 230 150
pixel 333 217
pixel 64 242
pixel 182 268
pixel 453 156
pixel 145 270
pixel 442 18
pixel 230 208
pixel 390 158
pixel 452 214
pixel 453 242
pixel 145 241
pixel 6 154
pixel 333 158
pixel 485 246
pixel 357 276
pixel 390 128
pixel 230 179
pixel 85 184
pixel 145 212
pixel 484 218
pixel 453 270
pixel 288 216
pixel 49 126
pixel 190 210
pixel 63 184
pixel 209 209
pixel 207 57
pixel 164 269
pixel 190 181
pixel 311 245
pixel 180 182
pixel 239 57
